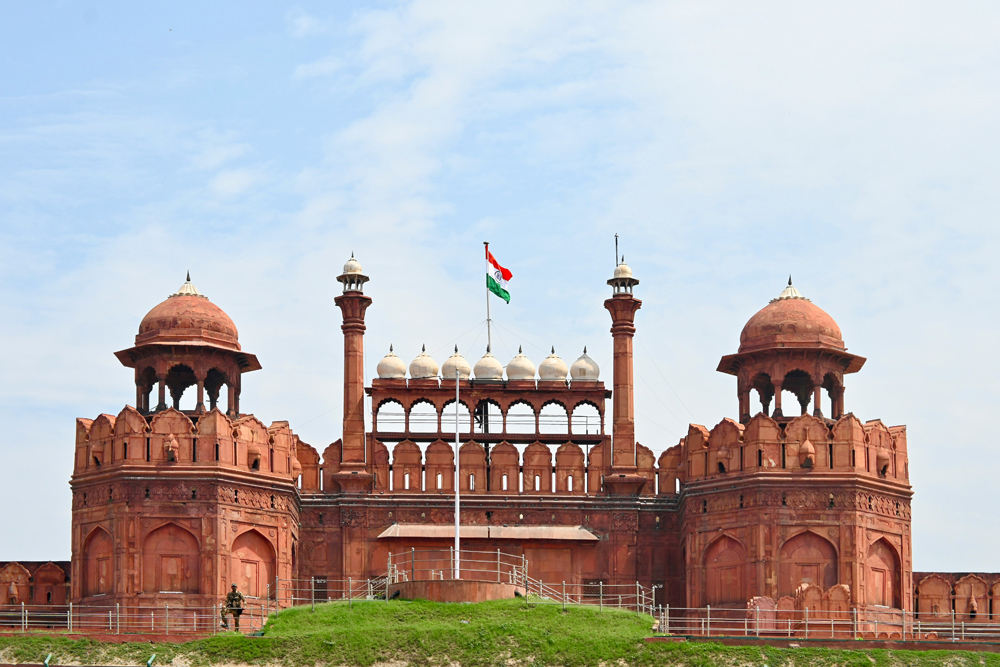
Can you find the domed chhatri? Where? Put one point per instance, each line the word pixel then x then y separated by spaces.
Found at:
pixel 520 367
pixel 791 320
pixel 352 266
pixel 456 363
pixel 352 278
pixel 584 369
pixel 553 368
pixel 391 367
pixel 423 367
pixel 188 316
pixel 488 368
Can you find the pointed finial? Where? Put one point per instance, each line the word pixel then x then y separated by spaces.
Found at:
pixel 585 349
pixel 352 254
pixel 487 349
pixel 423 348
pixel 189 276
pixel 789 280
pixel 553 349
pixel 519 351
pixel 456 349
pixel 390 347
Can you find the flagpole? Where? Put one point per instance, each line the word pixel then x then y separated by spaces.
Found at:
pixel 458 482
pixel 489 334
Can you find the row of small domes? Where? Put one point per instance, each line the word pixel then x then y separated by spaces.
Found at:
pixel 553 368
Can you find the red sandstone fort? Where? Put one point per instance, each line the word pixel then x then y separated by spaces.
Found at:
pixel 798 505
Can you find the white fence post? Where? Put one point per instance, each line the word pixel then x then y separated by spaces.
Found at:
pixel 312 594
pixel 807 622
pixel 708 620
pixel 350 592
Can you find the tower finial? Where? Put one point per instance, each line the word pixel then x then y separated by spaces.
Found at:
pixel 553 349
pixel 423 348
pixel 789 280
pixel 189 276
pixel 456 349
pixel 519 350
pixel 390 347
pixel 585 349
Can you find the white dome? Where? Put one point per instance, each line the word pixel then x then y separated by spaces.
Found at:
pixel 584 369
pixel 423 366
pixel 520 367
pixel 391 367
pixel 623 270
pixel 453 363
pixel 352 266
pixel 488 368
pixel 553 368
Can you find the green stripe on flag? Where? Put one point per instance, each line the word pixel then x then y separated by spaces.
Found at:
pixel 493 286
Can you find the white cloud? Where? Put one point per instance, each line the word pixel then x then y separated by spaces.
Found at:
pixel 303 25
pixel 234 182
pixel 321 67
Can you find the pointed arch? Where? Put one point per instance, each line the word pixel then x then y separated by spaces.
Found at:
pixel 504 466
pixel 570 469
pixel 252 564
pixel 725 572
pixel 883 574
pixel 98 551
pixel 806 558
pixel 171 561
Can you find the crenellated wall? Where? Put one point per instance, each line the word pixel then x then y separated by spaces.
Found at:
pixel 171 508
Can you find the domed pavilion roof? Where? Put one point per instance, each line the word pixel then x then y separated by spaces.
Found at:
pixel 188 317
pixel 791 320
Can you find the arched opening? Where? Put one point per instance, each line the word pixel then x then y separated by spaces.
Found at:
pixel 214 382
pixel 725 575
pixel 799 384
pixel 448 418
pixel 764 389
pixel 252 564
pixel 97 554
pixel 390 417
pixel 179 378
pixel 170 561
pixel 883 572
pixel 146 383
pixel 520 418
pixel 586 419
pixel 488 417
pixel 553 418
pixel 423 417
pixel 806 558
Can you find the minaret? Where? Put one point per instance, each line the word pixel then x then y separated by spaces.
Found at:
pixel 353 476
pixel 623 480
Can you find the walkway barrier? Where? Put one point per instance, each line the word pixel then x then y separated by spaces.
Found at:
pixel 128 619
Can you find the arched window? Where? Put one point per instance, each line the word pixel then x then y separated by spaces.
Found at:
pixel 586 420
pixel 423 418
pixel 520 418
pixel 553 419
pixel 390 417
pixel 448 418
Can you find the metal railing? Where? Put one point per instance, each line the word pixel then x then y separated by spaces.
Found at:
pixel 431 564
pixel 127 619
pixel 853 623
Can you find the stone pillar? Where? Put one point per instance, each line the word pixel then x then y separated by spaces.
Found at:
pixel 200 407
pixel 744 400
pixel 231 403
pixel 817 407
pixel 138 397
pixel 353 305
pixel 777 401
pixel 162 402
pixel 622 307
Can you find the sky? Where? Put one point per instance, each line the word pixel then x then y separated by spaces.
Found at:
pixel 852 145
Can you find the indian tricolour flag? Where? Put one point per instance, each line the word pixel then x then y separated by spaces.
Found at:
pixel 497 277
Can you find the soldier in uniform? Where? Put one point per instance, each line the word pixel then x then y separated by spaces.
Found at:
pixel 233 607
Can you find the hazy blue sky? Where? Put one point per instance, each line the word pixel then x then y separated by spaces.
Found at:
pixel 853 145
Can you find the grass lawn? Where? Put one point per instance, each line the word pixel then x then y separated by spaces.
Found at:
pixel 511 633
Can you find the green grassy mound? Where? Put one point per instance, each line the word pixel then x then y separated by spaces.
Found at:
pixel 509 633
